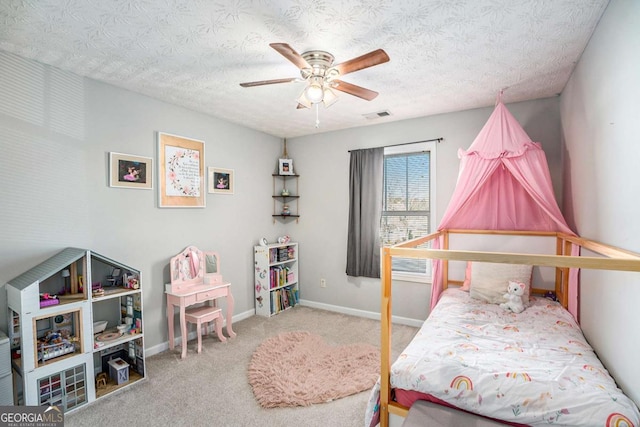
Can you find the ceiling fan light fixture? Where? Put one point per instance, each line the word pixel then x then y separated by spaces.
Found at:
pixel 314 93
pixel 329 97
pixel 302 100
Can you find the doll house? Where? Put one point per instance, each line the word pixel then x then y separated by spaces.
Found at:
pixel 69 318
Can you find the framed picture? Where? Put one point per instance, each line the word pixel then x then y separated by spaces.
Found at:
pixel 129 171
pixel 285 167
pixel 180 172
pixel 220 180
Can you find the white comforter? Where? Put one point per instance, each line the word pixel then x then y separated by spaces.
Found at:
pixel 532 368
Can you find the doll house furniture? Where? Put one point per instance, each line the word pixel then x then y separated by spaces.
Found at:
pixel 56 351
pixel 196 284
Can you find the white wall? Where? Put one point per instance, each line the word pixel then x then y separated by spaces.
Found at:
pixel 56 131
pixel 323 162
pixel 600 110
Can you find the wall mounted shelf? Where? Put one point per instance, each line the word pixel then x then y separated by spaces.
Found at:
pixel 285 202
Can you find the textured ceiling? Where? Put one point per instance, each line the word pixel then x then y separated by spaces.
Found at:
pixel 446 55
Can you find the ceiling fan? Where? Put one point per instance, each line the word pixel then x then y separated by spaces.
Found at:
pixel 322 77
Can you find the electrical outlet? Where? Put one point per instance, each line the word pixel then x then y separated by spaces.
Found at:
pixel 323 283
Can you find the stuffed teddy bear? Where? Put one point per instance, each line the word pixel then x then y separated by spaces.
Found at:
pixel 515 290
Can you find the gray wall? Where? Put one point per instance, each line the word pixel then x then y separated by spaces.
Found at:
pixel 601 124
pixel 56 131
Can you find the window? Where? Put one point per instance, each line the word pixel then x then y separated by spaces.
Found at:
pixel 408 207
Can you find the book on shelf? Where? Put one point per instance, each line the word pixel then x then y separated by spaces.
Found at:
pixel 281 254
pixel 280 276
pixel 282 299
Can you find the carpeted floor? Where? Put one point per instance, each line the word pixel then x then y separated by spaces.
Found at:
pixel 212 389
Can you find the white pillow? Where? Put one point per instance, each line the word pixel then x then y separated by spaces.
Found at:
pixel 489 281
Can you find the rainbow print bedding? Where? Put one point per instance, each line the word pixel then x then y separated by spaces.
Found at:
pixel 533 368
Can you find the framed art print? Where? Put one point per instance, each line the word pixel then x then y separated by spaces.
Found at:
pixel 285 167
pixel 220 180
pixel 180 172
pixel 128 171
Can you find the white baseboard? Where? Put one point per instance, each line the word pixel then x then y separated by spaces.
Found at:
pixel 361 313
pixel 192 335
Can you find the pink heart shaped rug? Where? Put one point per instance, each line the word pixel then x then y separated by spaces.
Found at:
pixel 300 369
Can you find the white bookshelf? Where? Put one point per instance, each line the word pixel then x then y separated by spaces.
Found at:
pixel 276 278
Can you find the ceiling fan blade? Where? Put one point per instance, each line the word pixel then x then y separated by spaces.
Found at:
pixel 268 82
pixel 300 106
pixel 367 60
pixel 293 56
pixel 354 90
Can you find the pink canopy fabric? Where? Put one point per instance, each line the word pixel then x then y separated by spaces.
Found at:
pixel 503 184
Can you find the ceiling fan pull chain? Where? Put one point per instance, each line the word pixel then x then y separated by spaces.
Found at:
pixel 317 115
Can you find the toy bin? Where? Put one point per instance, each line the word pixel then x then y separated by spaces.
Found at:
pixel 119 371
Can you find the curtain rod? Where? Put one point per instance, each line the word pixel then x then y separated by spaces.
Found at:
pixel 405 143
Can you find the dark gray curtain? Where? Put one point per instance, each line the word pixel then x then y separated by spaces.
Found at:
pixel 366 175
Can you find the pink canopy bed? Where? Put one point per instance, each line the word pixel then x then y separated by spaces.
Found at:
pixel 504 184
pixel 471 354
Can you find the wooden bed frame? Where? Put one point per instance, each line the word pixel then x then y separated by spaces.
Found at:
pixel 611 258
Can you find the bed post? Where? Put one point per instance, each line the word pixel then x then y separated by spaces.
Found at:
pixel 385 335
pixel 563 247
pixel 568 246
pixel 560 276
pixel 445 262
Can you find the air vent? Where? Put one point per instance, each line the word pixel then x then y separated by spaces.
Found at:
pixel 377 115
